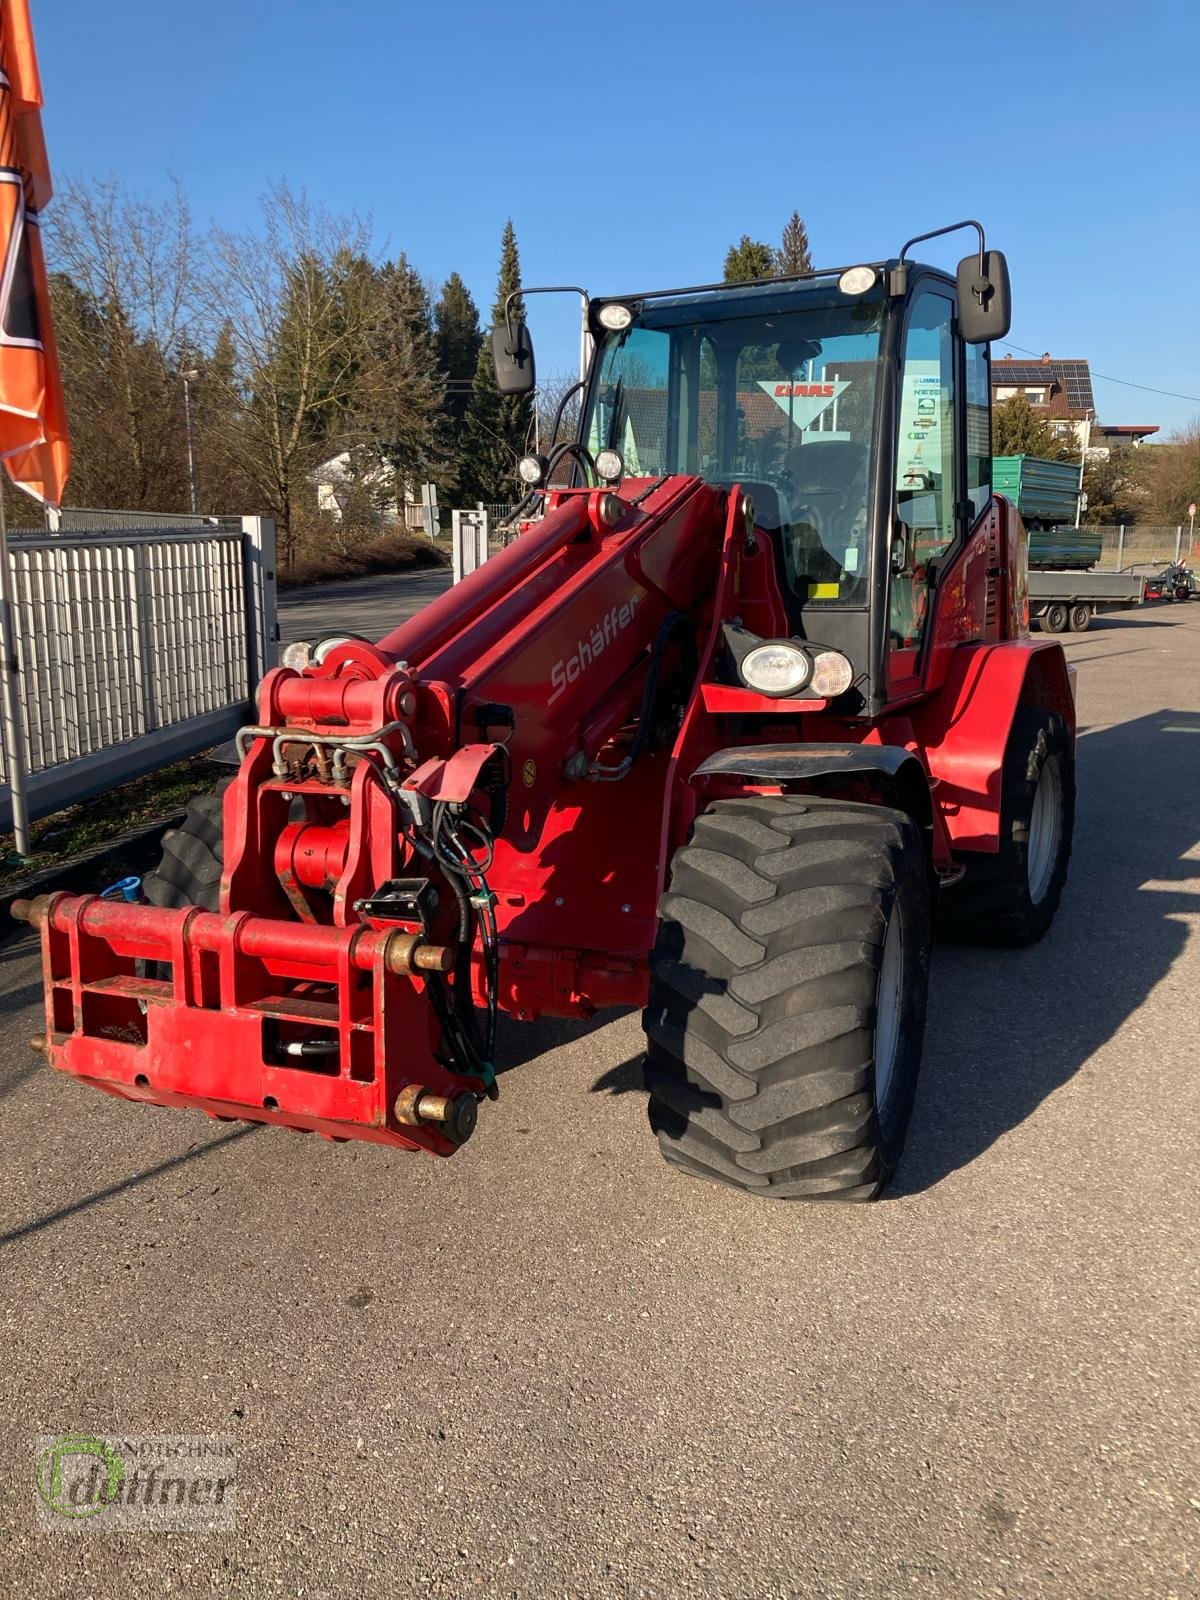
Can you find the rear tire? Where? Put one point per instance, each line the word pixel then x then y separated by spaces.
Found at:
pixel 787 997
pixel 1055 619
pixel 1011 898
pixel 193 857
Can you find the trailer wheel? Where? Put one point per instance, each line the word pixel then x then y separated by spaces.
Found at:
pixel 1011 898
pixel 1055 618
pixel 787 996
pixel 1081 618
pixel 193 856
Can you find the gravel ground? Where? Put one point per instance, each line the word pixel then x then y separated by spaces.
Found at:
pixel 549 1367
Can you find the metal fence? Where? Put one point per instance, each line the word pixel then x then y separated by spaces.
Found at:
pixel 1140 547
pixel 468 542
pixel 86 519
pixel 134 648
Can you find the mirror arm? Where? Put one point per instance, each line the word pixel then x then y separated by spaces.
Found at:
pixel 937 233
pixel 555 288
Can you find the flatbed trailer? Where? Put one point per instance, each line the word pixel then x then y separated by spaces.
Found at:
pixel 1068 600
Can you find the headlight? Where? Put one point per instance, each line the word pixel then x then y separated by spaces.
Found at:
pixel 857 280
pixel 326 645
pixel 615 317
pixel 298 655
pixel 832 674
pixel 776 668
pixel 609 466
pixel 531 470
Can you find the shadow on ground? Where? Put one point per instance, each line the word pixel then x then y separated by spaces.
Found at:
pixel 1007 1028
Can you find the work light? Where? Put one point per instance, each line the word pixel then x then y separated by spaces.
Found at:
pixel 609 466
pixel 531 470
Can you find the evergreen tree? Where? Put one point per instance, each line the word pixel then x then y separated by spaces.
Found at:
pixel 497 426
pixel 1019 430
pixel 401 388
pixel 793 253
pixel 456 320
pixel 749 259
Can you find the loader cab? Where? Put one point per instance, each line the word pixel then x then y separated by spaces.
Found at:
pixel 851 408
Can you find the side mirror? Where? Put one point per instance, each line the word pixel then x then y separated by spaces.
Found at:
pixel 984 299
pixel 512 356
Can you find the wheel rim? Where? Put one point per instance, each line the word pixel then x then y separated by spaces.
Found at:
pixel 1045 830
pixel 888 1003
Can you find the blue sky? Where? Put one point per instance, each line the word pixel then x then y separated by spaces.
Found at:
pixel 632 144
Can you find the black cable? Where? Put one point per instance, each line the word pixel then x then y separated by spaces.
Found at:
pixel 645 716
pixel 570 448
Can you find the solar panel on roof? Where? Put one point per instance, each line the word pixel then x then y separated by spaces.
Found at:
pixel 1075 377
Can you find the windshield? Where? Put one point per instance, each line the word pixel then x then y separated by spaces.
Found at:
pixel 764 391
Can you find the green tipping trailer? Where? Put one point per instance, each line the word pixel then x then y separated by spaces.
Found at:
pixel 1063 592
pixel 1046 493
pixel 1043 491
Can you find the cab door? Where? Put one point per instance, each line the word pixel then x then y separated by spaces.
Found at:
pixel 927 507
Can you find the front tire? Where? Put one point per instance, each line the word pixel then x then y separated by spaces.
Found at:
pixel 193 855
pixel 1011 898
pixel 1055 618
pixel 787 997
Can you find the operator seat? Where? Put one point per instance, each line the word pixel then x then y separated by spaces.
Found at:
pixel 828 477
pixel 796 545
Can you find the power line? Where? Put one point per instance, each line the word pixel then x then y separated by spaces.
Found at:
pixel 1125 382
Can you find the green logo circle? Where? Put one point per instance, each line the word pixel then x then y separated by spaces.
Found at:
pixel 100 1490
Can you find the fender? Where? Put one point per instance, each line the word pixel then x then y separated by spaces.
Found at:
pixel 899 773
pixel 958 728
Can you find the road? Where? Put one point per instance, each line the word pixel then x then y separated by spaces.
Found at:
pixel 551 1368
pixel 369 606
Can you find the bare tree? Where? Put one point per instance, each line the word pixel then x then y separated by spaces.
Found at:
pixel 1173 473
pixel 552 393
pixel 297 300
pixel 125 285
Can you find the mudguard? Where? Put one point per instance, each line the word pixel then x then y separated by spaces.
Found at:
pixel 901 777
pixel 963 729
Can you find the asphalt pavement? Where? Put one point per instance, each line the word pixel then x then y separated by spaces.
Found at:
pixel 368 606
pixel 550 1367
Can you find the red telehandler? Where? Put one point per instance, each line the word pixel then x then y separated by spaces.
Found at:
pixel 748 698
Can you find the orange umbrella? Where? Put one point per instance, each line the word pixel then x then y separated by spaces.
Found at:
pixel 33 421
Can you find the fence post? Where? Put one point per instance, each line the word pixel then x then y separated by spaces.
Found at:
pixel 143 665
pixel 14 730
pixel 1120 546
pixel 1178 540
pixel 262 627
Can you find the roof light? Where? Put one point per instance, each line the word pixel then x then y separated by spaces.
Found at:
pixel 615 317
pixel 857 280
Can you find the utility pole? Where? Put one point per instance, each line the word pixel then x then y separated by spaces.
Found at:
pixel 190 376
pixel 1087 439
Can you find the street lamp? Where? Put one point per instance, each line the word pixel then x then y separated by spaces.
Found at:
pixel 190 376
